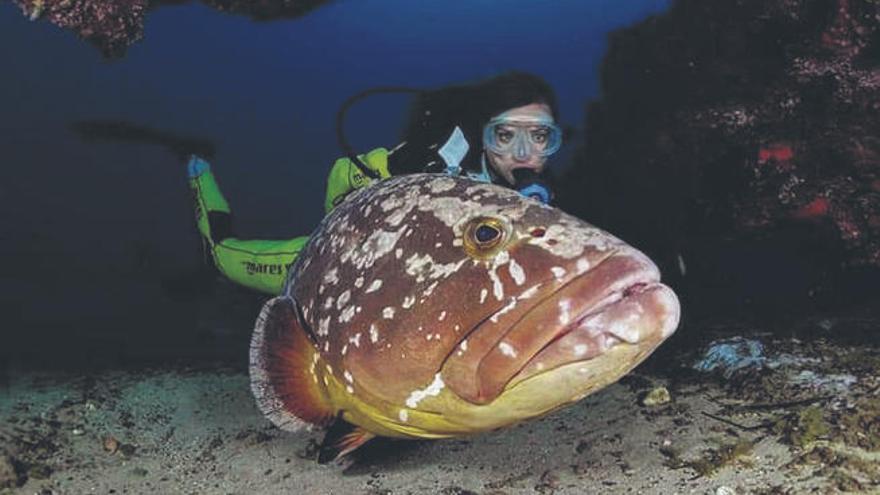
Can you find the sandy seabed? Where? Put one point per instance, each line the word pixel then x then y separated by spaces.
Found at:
pixel 805 424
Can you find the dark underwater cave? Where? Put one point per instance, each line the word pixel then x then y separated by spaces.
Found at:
pixel 737 143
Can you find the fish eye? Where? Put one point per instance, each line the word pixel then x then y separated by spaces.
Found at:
pixel 486 233
pixel 483 236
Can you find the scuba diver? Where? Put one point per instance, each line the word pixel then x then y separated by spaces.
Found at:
pixel 501 130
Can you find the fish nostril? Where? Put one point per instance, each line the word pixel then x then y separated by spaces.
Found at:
pixel 538 232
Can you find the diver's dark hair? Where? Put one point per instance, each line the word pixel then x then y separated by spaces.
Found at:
pixel 436 113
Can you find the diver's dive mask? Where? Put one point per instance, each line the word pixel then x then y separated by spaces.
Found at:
pixel 522 137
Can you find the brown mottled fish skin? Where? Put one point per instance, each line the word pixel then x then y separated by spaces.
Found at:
pixel 423 323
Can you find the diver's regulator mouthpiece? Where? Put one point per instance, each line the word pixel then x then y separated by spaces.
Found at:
pixel 530 184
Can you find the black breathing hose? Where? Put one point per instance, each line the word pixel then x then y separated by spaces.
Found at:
pixel 340 123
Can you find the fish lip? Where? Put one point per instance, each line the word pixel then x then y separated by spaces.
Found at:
pixel 603 304
pixel 635 282
pixel 636 273
pixel 612 340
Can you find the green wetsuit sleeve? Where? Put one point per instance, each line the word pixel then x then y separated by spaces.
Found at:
pixel 257 264
pixel 346 177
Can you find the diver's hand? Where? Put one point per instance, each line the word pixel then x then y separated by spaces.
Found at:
pixel 196 166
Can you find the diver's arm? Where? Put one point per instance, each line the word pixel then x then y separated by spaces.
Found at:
pixel 257 264
pixel 346 177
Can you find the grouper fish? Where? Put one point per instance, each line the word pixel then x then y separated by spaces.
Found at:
pixel 428 306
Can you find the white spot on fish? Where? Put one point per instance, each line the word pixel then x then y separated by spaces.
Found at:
pixel 408 301
pixel 344 349
pixel 348 377
pixel 424 266
pixel 431 390
pixel 326 346
pixel 349 389
pixel 331 276
pixel 388 313
pixel 441 185
pixel 497 287
pixel 329 368
pixel 558 272
pixel 346 315
pixel 343 299
pixel 516 272
pixel 324 326
pixel 463 345
pixel 565 311
pixel 483 294
pixel 374 286
pixel 580 350
pixel 359 282
pixel 398 253
pixel 429 290
pixel 439 244
pixel 582 265
pixel 442 316
pixel 356 339
pixel 531 291
pixel 509 306
pixel 328 303
pixel 403 415
pixel 625 332
pixel 507 349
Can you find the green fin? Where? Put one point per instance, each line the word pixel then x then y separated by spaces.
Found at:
pixel 341 439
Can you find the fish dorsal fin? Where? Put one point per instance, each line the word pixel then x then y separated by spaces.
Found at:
pixel 341 439
pixel 282 369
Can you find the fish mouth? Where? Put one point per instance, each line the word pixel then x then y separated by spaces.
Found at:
pixel 640 316
pixel 618 302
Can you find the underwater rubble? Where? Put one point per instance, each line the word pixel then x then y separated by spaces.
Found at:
pixel 816 391
pixel 732 126
pixel 114 25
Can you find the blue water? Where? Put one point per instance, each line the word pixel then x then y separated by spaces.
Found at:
pixel 91 229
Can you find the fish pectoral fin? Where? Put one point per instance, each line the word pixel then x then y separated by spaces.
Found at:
pixel 283 363
pixel 341 439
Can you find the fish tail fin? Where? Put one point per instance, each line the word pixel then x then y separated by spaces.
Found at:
pixel 341 439
pixel 282 369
